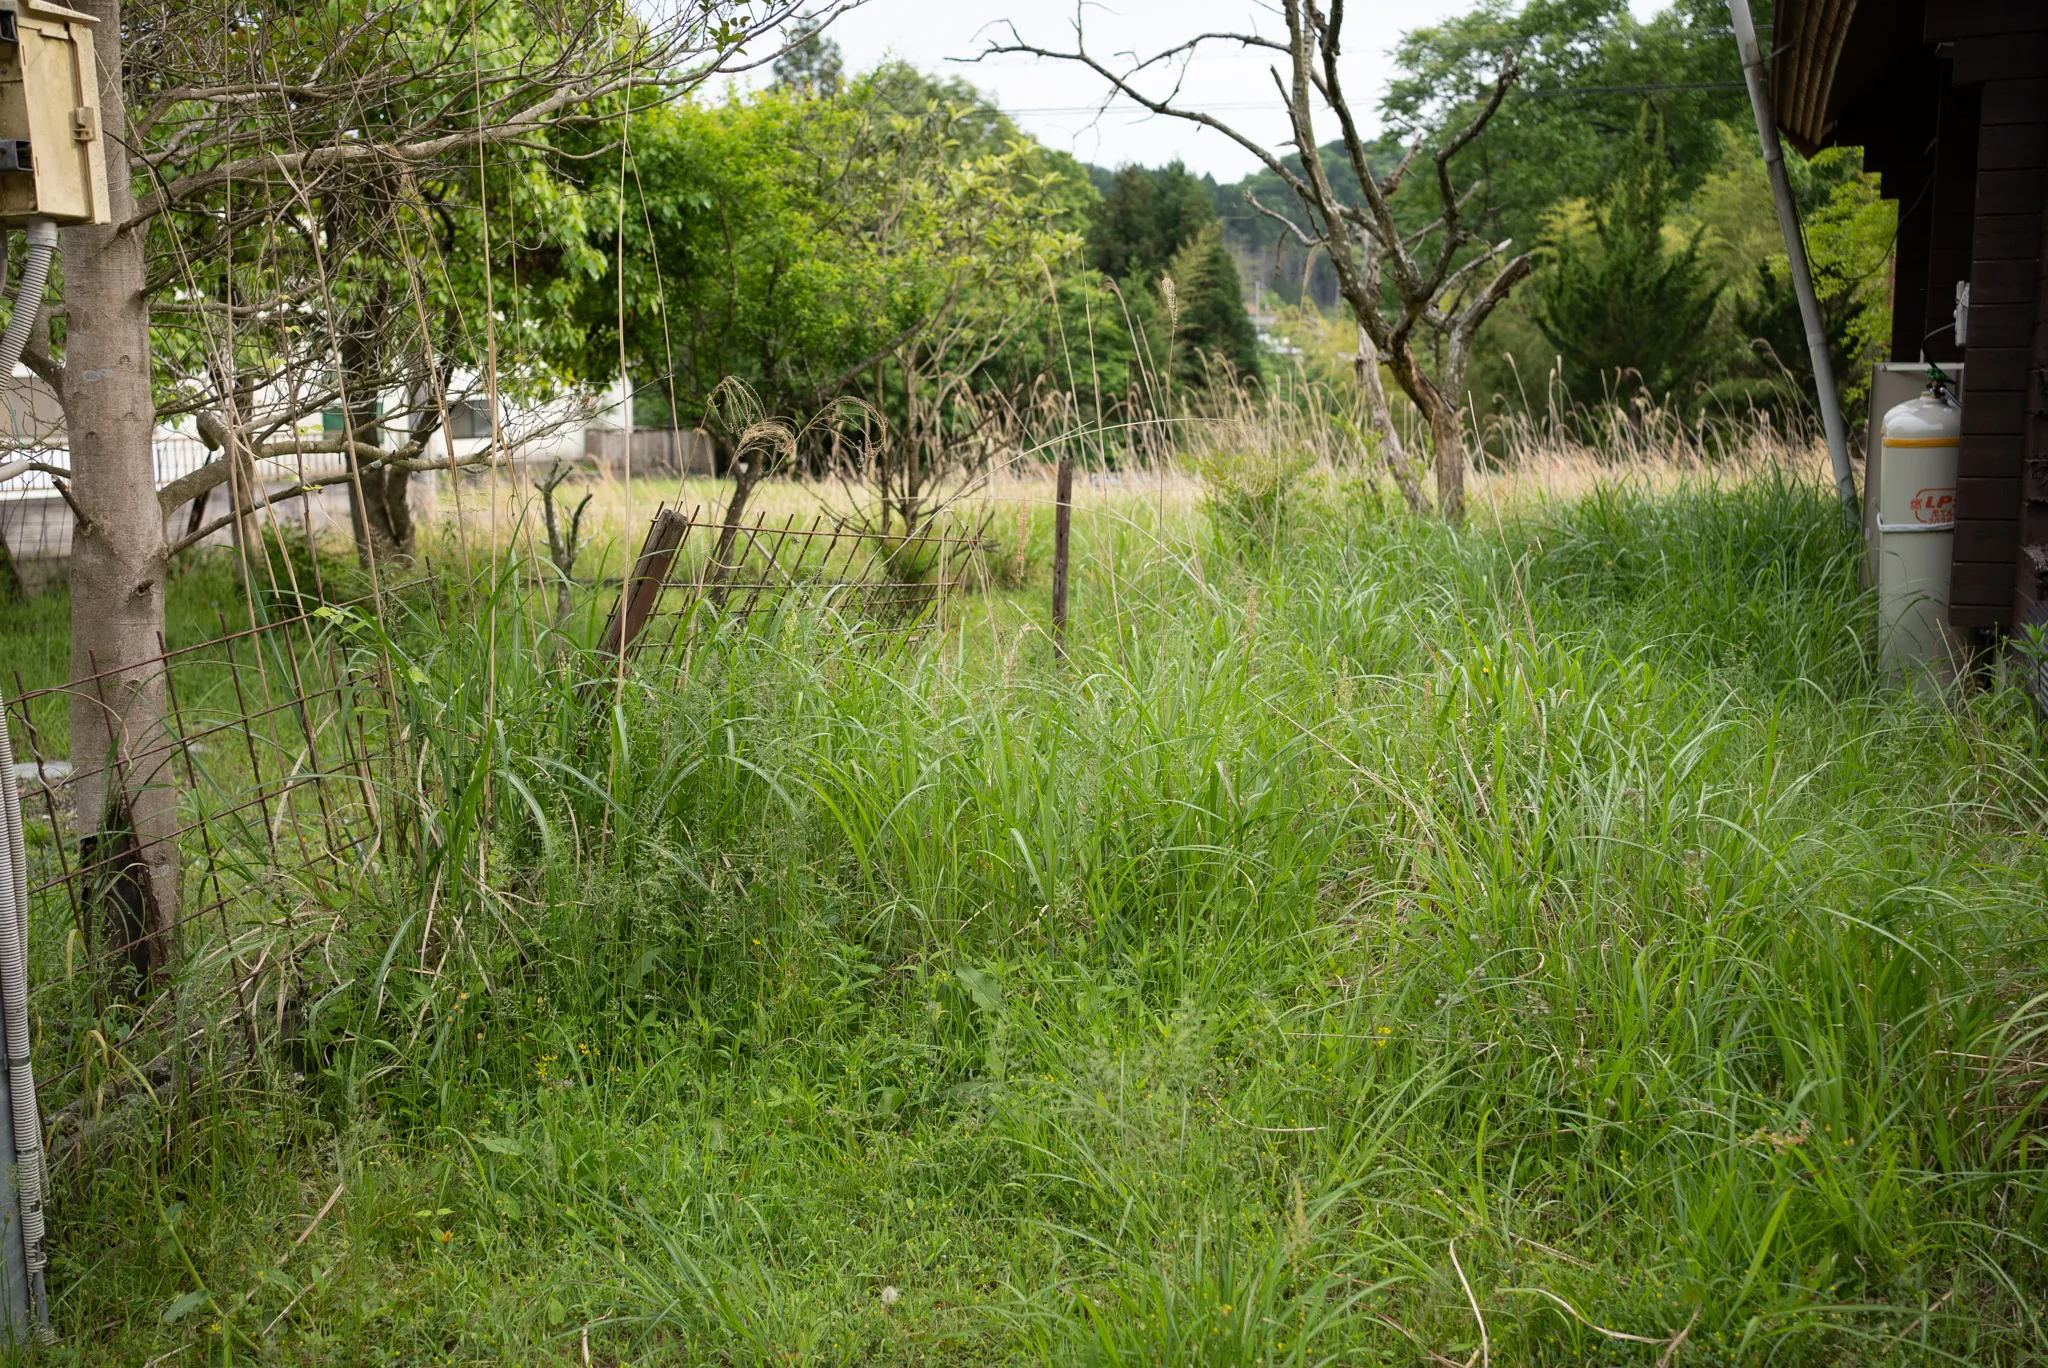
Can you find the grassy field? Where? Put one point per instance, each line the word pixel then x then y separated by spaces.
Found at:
pixel 1543 943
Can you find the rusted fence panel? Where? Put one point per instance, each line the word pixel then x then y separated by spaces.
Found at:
pixel 298 780
pixel 696 569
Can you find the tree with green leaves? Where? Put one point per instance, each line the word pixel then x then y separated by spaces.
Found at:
pixel 1144 217
pixel 1592 71
pixel 1628 311
pixel 1850 230
pixel 251 156
pixel 889 244
pixel 811 63
pixel 416 229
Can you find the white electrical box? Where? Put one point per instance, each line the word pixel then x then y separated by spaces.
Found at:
pixel 53 160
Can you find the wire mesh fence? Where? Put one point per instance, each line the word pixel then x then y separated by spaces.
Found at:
pixel 292 757
pixel 277 742
pixel 694 570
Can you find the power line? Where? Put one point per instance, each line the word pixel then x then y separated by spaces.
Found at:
pixel 1629 89
pixel 1140 109
pixel 1551 92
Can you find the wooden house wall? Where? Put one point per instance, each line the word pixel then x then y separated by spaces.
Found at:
pixel 1999 50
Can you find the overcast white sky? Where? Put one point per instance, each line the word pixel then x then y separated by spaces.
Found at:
pixel 1056 101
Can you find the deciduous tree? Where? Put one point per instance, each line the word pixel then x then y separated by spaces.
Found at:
pixel 235 134
pixel 887 245
pixel 1405 285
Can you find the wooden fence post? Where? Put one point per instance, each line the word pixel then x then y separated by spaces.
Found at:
pixel 1062 539
pixel 637 597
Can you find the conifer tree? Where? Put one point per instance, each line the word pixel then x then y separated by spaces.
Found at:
pixel 1626 309
pixel 812 62
pixel 1156 224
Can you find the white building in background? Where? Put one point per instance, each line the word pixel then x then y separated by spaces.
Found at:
pixel 37 524
pixel 657 453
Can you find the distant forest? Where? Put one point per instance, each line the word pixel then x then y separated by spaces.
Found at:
pixel 771 240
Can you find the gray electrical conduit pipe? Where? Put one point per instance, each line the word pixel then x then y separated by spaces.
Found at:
pixel 21 1080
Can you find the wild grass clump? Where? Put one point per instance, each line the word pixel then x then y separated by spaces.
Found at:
pixel 1250 450
pixel 1547 942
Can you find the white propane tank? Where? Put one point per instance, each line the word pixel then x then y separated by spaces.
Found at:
pixel 1916 520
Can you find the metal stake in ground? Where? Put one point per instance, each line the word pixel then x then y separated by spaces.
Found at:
pixel 1062 537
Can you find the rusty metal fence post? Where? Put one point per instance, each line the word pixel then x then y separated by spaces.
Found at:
pixel 1062 540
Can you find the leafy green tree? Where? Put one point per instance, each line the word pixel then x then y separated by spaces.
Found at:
pixel 419 275
pixel 889 244
pixel 1144 217
pixel 1593 72
pixel 1849 235
pixel 1768 367
pixel 974 125
pixel 242 149
pixel 1591 69
pixel 1627 310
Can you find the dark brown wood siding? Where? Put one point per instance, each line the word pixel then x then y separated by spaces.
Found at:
pixel 1955 210
pixel 1894 120
pixel 1998 50
pixel 2029 370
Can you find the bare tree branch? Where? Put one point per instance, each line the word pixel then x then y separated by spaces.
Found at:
pixel 1368 248
pixel 1289 224
pixel 217 472
pixel 1121 83
pixel 31 466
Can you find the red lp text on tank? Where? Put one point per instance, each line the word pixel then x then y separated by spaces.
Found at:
pixel 1934 507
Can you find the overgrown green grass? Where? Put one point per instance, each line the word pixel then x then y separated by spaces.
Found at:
pixel 1546 942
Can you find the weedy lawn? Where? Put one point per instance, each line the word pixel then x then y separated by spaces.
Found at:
pixel 1543 943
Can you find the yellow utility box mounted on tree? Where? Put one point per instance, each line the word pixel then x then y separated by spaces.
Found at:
pixel 53 164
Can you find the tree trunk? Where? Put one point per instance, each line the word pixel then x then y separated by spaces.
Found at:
pixel 120 748
pixel 1383 419
pixel 1446 430
pixel 381 514
pixel 11 590
pixel 387 493
pixel 746 473
pixel 1447 427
